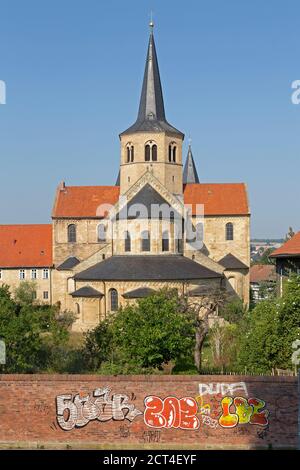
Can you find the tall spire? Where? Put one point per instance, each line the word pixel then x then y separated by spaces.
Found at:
pixel 190 174
pixel 151 114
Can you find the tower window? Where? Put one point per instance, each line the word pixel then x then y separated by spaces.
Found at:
pixel 154 153
pixel 101 233
pixel 172 152
pixel 147 153
pixel 72 233
pixel 127 242
pixel 145 241
pixel 150 151
pixel 129 152
pixel 229 231
pixel 165 241
pixel 114 304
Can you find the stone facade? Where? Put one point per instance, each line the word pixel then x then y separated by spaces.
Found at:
pixel 42 281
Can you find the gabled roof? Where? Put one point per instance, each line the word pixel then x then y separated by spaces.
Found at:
pixel 151 115
pixel 190 174
pixel 232 262
pixel 218 198
pixel 83 201
pixel 87 291
pixel 149 267
pixel 149 200
pixel 262 273
pixel 23 246
pixel 139 293
pixel 69 263
pixel 289 248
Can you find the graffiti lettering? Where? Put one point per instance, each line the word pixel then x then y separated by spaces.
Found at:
pixel 171 412
pixel 244 411
pixel 78 412
pixel 216 388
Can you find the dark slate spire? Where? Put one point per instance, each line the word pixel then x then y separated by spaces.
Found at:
pixel 190 174
pixel 151 115
pixel 118 180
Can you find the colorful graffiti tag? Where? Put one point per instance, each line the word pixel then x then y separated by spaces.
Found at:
pixel 216 406
pixel 74 411
pixel 249 410
pixel 171 412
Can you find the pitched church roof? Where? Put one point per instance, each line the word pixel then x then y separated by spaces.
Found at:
pixel 149 267
pixel 151 115
pixel 25 246
pixel 83 201
pixel 190 174
pixel 218 198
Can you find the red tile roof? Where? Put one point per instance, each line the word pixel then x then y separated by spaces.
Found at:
pixel 218 198
pixel 23 246
pixel 262 273
pixel 290 248
pixel 83 201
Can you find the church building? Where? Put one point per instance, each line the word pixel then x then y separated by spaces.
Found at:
pixel 157 227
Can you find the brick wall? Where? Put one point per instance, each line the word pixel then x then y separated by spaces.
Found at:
pixel 111 411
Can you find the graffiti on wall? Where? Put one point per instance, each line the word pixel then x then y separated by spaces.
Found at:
pixel 216 406
pixel 76 412
pixel 171 412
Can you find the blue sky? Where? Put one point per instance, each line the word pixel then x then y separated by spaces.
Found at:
pixel 73 71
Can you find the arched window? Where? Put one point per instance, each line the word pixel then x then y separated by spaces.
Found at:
pixel 147 153
pixel 145 240
pixel 72 233
pixel 102 233
pixel 114 303
pixel 77 308
pixel 127 241
pixel 229 231
pixel 174 154
pixel 165 241
pixel 154 153
pixel 150 151
pixel 129 152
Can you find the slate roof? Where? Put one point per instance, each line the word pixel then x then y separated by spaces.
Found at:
pixel 190 174
pixel 139 293
pixel 232 262
pixel 25 246
pixel 289 248
pixel 87 291
pixel 147 197
pixel 149 267
pixel 69 263
pixel 151 114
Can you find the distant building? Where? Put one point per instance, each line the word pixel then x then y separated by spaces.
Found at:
pixel 287 259
pixel 262 281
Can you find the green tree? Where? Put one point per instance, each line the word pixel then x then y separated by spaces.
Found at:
pixel 29 332
pixel 145 335
pixel 270 329
pixel 25 293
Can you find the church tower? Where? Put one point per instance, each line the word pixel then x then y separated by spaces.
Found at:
pixel 151 143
